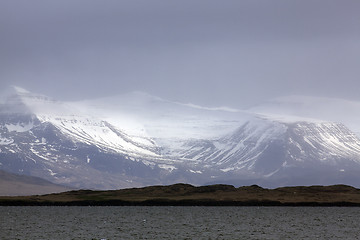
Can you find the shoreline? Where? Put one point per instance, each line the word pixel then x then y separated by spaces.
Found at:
pixel 188 195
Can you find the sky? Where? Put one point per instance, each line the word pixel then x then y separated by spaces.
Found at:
pixel 232 53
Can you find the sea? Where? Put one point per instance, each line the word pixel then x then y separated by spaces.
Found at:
pixel 144 222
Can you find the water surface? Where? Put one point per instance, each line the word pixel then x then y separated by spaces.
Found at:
pixel 179 223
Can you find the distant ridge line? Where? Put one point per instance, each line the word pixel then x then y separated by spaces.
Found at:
pixel 188 195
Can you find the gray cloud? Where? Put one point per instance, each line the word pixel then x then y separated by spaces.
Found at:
pixel 209 52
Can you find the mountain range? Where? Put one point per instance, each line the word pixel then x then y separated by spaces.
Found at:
pixel 135 140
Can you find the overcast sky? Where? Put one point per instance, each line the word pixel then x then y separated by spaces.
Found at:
pixel 225 52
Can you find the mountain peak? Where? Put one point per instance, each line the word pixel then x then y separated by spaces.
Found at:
pixel 15 92
pixel 19 100
pixel 12 91
pixel 18 89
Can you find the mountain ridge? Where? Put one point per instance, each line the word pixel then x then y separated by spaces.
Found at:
pixel 111 144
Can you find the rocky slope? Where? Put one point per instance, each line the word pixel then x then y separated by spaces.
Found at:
pixel 20 185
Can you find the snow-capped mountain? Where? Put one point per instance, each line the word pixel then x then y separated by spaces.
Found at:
pixel 295 108
pixel 137 139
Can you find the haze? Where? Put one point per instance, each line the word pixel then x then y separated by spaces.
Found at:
pixel 233 53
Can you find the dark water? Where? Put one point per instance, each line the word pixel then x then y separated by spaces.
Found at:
pixel 179 223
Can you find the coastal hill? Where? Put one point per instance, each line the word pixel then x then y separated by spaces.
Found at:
pixel 14 184
pixel 188 195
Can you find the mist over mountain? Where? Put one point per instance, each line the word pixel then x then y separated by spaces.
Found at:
pixel 137 139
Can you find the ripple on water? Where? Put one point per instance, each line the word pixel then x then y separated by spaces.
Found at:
pixel 179 223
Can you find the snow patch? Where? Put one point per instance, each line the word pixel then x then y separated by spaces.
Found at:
pixel 272 173
pixel 227 169
pixel 170 168
pixel 5 141
pixel 19 127
pixel 51 172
